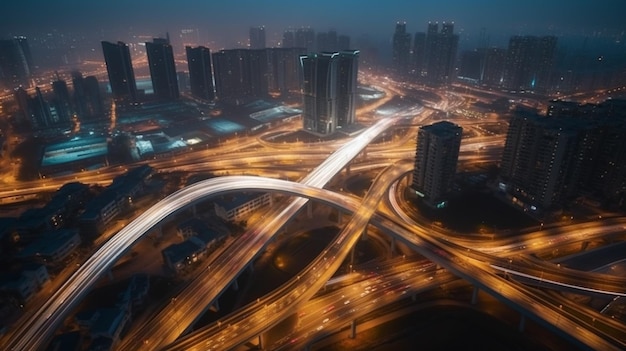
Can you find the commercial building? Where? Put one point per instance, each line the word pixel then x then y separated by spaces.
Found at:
pixel 436 156
pixel 441 49
pixel 162 69
pixel 200 72
pixel 120 71
pixel 329 90
pixel 87 98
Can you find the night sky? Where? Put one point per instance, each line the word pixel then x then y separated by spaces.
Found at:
pixel 228 21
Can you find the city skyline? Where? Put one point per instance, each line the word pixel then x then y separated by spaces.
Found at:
pixel 499 20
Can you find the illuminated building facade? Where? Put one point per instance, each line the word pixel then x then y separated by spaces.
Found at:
pixel 329 90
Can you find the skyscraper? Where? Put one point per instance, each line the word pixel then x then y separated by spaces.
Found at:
pixel 529 63
pixel 200 72
pixel 401 48
pixel 240 74
pixel 537 159
pixel 284 70
pixel 419 53
pixel 441 48
pixel 347 72
pixel 305 38
pixel 120 71
pixel 436 156
pixel 62 101
pixel 289 39
pixel 162 69
pixel 87 98
pixel 257 37
pixel 319 90
pixel 15 57
pixel 329 90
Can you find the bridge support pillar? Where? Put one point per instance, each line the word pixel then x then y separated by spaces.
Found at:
pixel 353 329
pixel 522 324
pixel 352 257
pixel 364 234
pixel 309 209
pixel 235 285
pixel 475 295
pixel 159 232
pixel 392 247
pixel 348 170
pixel 339 216
pixel 261 343
pixel 215 306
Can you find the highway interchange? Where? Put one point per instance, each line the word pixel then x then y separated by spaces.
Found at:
pixel 484 266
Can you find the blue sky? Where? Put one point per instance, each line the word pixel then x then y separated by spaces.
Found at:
pixel 230 19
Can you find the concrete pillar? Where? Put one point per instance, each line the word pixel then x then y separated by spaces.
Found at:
pixel 364 234
pixel 353 329
pixel 348 170
pixel 215 306
pixel 522 324
pixel 261 342
pixel 392 247
pixel 235 285
pixel 339 215
pixel 159 232
pixel 352 256
pixel 475 295
pixel 309 209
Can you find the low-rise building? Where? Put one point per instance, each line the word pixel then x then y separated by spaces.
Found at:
pixel 52 247
pixel 27 283
pixel 177 257
pixel 240 206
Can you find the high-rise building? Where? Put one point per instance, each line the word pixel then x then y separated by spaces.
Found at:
pixel 120 71
pixel 257 37
pixel 470 65
pixel 419 53
pixel 347 72
pixel 493 67
pixel 162 69
pixel 441 48
pixel 289 39
pixel 529 63
pixel 305 38
pixel 87 98
pixel 329 89
pixel 436 156
pixel 200 72
pixel 284 70
pixel 327 41
pixel 15 62
pixel 40 113
pixel 319 90
pixel 401 48
pixel 537 160
pixel 240 74
pixel 62 101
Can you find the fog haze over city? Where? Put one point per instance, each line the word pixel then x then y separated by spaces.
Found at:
pixel 225 23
